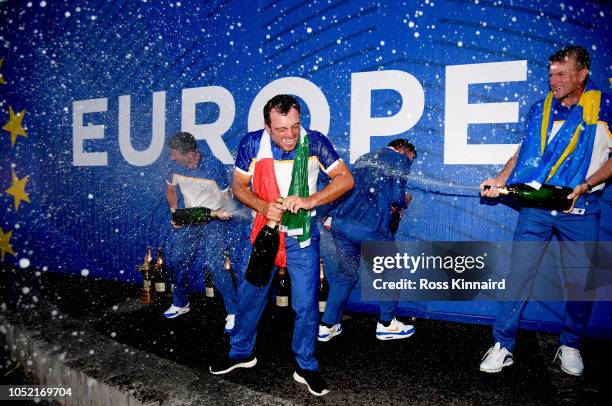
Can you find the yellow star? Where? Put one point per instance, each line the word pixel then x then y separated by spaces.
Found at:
pixel 2 81
pixel 4 244
pixel 17 190
pixel 14 125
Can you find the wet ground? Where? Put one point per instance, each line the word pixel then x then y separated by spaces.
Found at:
pixel 438 365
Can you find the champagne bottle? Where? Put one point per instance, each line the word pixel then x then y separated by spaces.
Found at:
pixel 323 287
pixel 208 285
pixel 263 255
pixel 192 216
pixel 547 197
pixel 160 274
pixel 227 266
pixel 146 268
pixel 283 287
pixel 171 280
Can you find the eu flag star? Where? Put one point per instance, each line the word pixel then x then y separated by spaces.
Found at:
pixel 14 125
pixel 17 190
pixel 5 245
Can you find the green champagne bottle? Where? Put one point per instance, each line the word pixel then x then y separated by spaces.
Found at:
pixel 192 216
pixel 547 197
pixel 160 274
pixel 263 256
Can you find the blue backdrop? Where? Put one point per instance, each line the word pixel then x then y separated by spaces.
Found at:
pixel 100 86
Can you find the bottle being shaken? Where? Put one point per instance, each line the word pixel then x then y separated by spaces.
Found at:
pixel 283 287
pixel 548 197
pixel 323 287
pixel 194 216
pixel 263 255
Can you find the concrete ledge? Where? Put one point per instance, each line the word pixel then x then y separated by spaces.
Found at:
pixel 58 351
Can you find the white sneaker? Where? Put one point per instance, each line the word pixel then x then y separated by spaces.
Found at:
pixel 327 333
pixel 496 358
pixel 394 331
pixel 230 321
pixel 175 311
pixel 571 361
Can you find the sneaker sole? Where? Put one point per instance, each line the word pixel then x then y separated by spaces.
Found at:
pixel 394 336
pixel 299 379
pixel 172 316
pixel 570 372
pixel 328 337
pixel 494 371
pixel 248 364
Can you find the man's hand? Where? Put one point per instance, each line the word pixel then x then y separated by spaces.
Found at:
pixel 576 194
pixel 273 211
pixel 492 191
pixel 500 179
pixel 294 203
pixel 220 214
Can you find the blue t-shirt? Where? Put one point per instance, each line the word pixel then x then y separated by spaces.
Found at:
pixel 320 148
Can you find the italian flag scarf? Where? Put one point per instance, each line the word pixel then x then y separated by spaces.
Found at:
pixel 265 186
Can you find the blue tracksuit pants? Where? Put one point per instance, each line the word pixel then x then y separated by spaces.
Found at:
pixel 348 236
pixel 194 249
pixel 303 268
pixel 540 225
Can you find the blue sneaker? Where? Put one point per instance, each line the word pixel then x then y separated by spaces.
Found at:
pixel 175 311
pixel 394 331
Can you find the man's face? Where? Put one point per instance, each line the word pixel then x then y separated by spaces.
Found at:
pixel 180 158
pixel 284 129
pixel 566 79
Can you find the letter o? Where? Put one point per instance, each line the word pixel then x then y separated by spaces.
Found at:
pixel 305 89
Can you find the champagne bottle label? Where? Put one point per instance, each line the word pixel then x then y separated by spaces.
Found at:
pixel 322 304
pixel 147 284
pixel 210 291
pixel 160 287
pixel 282 301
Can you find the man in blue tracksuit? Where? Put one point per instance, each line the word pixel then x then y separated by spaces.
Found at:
pixel 263 174
pixel 566 143
pixel 198 181
pixel 366 215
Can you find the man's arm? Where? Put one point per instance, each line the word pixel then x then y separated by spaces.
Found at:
pixel 341 182
pixel 599 176
pixel 500 179
pixel 241 187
